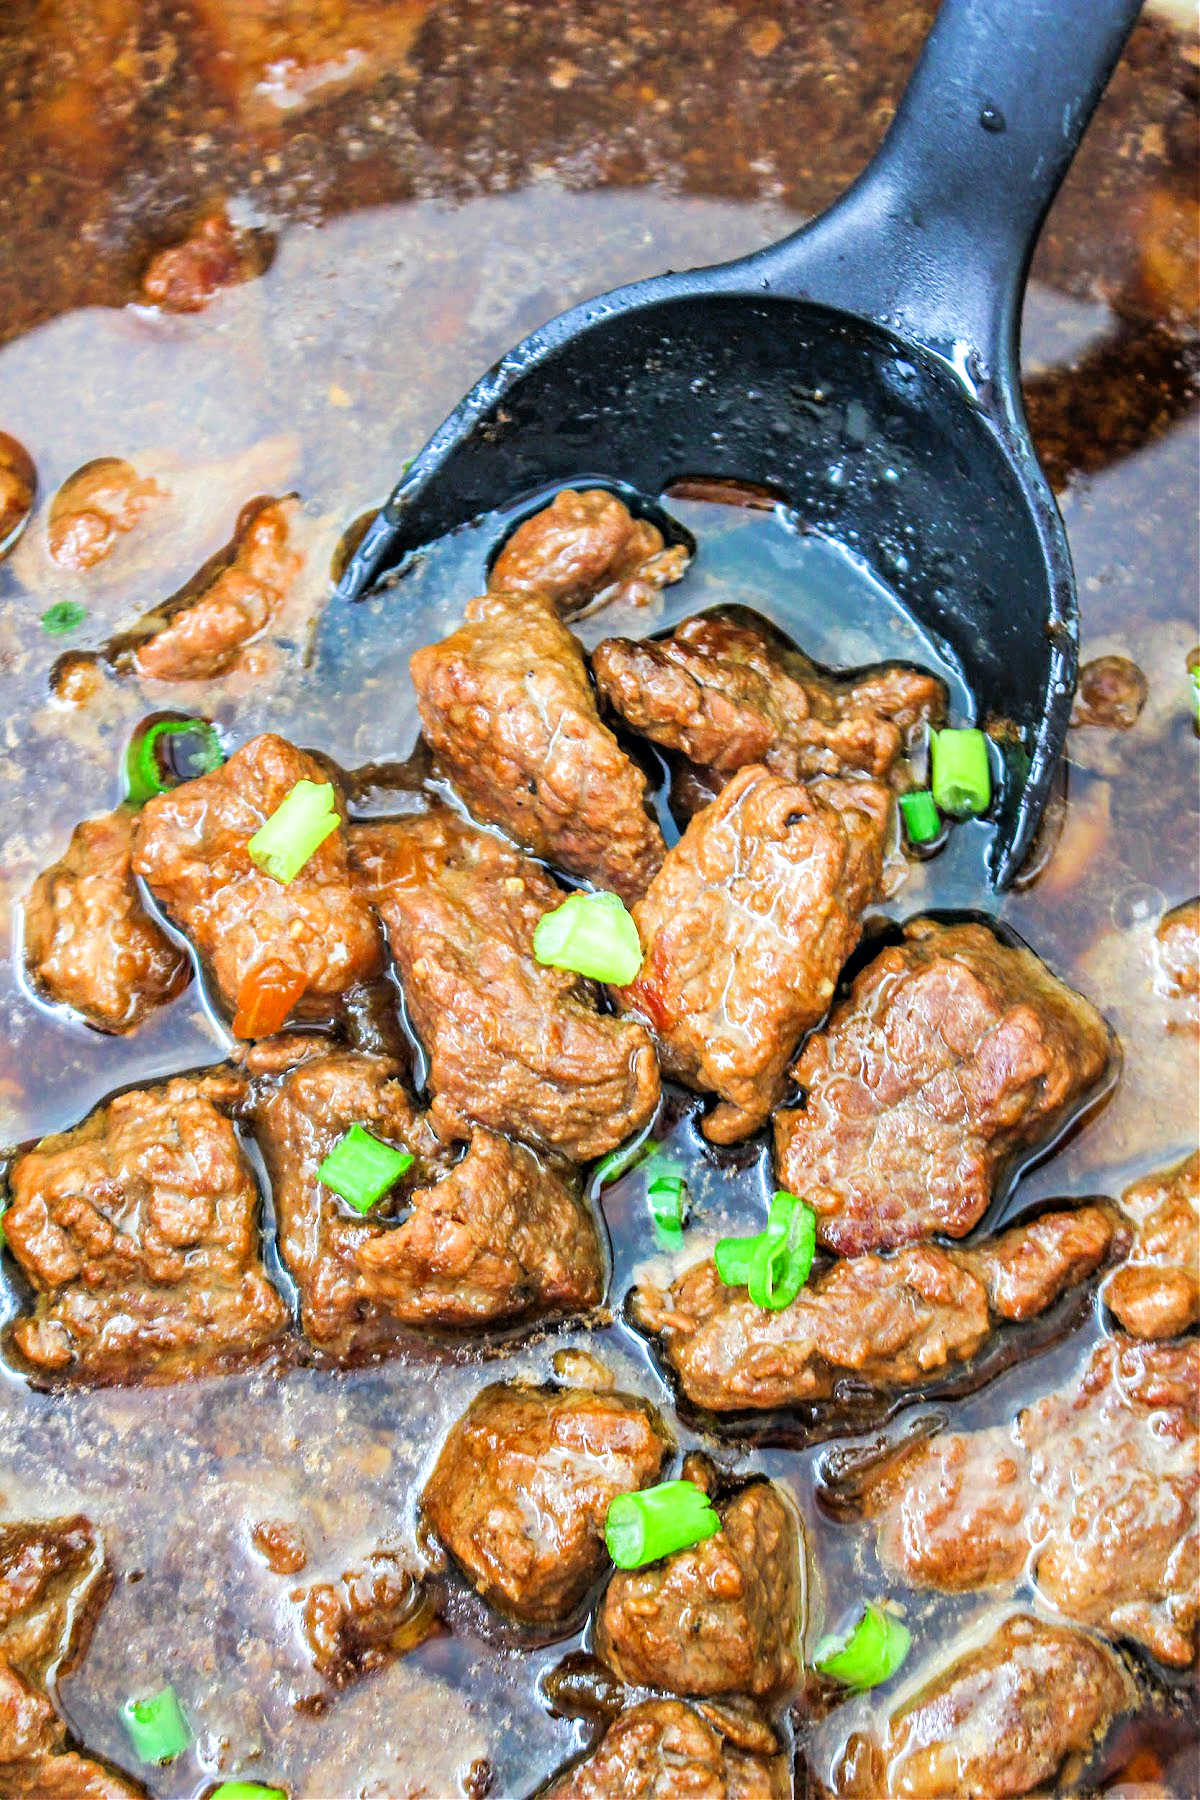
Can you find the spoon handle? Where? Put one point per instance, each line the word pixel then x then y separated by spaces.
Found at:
pixel 935 238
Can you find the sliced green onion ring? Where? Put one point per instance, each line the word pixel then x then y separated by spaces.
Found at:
pixel 921 821
pixel 361 1168
pixel 591 934
pixel 960 771
pixel 775 1264
pixel 618 1162
pixel 733 1257
pixel 642 1527
pixel 63 616
pixel 301 822
pixel 870 1653
pixel 168 752
pixel 157 1727
pixel 246 1790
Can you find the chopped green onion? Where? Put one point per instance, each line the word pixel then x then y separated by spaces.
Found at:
pixel 734 1257
pixel 157 1727
pixel 618 1162
pixel 666 1197
pixel 63 616
pixel 298 826
pixel 774 1264
pixel 591 934
pixel 642 1527
pixel 961 774
pixel 246 1790
pixel 869 1654
pixel 1195 674
pixel 361 1169
pixel 921 820
pixel 168 752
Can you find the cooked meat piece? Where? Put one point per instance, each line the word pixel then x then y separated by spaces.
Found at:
pixel 952 1053
pixel 1156 1294
pixel 512 1045
pixel 68 1777
pixel 95 507
pixel 522 1486
pixel 501 1236
pixel 1177 954
pixel 585 546
pixel 720 1618
pixel 886 1322
pixel 201 632
pixel 89 942
pixel 508 708
pixel 1094 1487
pixel 745 928
pixel 725 694
pixel 273 949
pixel 1111 692
pixel 185 276
pixel 53 1581
pixel 663 1750
pixel 1026 1711
pixel 18 484
pixel 29 1726
pixel 362 1621
pixel 138 1231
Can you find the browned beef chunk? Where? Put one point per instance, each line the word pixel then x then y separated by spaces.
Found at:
pixel 18 484
pixel 725 694
pixel 1157 1292
pixel 1177 954
pixel 951 1053
pixel 202 632
pixel 507 706
pixel 512 1045
pixel 1094 1487
pixel 1023 1712
pixel 299 944
pixel 185 276
pixel 68 1777
pixel 94 508
pixel 522 1487
pixel 89 942
pixel 745 928
pixel 366 1618
pixel 888 1322
pixel 583 547
pixel 720 1618
pixel 1111 693
pixel 29 1726
pixel 138 1231
pixel 663 1750
pixel 501 1236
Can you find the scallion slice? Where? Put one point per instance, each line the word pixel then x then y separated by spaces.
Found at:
pixel 168 752
pixel 774 1264
pixel 361 1168
pixel 921 820
pixel 157 1727
pixel 960 772
pixel 299 825
pixel 870 1653
pixel 63 616
pixel 734 1257
pixel 655 1522
pixel 618 1162
pixel 246 1790
pixel 591 934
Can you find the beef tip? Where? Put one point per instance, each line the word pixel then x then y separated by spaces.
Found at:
pixel 725 693
pixel 1156 1294
pixel 663 1750
pixel 185 276
pixel 202 631
pixel 272 948
pixel 89 942
pixel 1025 1711
pixel 1177 955
pixel 53 1581
pixel 138 1232
pixel 499 1237
pixel 1093 1489
pixel 29 1726
pixel 720 1618
pixel 508 708
pixel 584 547
pixel 887 1322
pixel 522 1486
pixel 95 508
pixel 745 928
pixel 68 1777
pixel 512 1045
pixel 1111 692
pixel 18 485
pixel 365 1619
pixel 952 1053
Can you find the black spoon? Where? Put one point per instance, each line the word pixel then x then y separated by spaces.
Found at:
pixel 866 369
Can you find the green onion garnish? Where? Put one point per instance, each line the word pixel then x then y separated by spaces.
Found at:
pixel 63 616
pixel 774 1264
pixel 157 1727
pixel 921 820
pixel 961 775
pixel 299 825
pixel 642 1527
pixel 246 1790
pixel 625 1157
pixel 1195 674
pixel 361 1168
pixel 168 752
pixel 869 1654
pixel 591 934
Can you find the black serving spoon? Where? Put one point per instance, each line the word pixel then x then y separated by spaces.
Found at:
pixel 865 369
